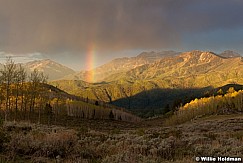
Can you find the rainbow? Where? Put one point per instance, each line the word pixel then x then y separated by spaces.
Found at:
pixel 90 63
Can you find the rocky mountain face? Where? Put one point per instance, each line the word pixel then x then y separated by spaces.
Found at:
pixel 183 65
pixel 152 64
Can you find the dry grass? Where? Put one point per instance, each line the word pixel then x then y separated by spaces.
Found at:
pixel 182 143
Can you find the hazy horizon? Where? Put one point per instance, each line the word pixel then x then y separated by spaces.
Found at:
pixel 83 34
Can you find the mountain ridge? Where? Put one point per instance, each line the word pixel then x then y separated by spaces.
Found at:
pixel 165 58
pixel 229 54
pixel 121 65
pixel 184 64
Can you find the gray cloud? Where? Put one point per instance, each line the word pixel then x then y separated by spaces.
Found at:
pixel 20 58
pixel 70 26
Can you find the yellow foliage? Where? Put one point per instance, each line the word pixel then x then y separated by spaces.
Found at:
pixel 208 105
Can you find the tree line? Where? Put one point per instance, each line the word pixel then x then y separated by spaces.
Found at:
pixel 87 111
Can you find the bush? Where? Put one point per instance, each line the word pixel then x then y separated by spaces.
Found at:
pixel 3 139
pixel 38 144
pixel 1 122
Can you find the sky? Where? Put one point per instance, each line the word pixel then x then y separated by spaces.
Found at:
pixel 83 34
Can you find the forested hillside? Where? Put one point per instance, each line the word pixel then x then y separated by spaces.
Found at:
pixel 230 102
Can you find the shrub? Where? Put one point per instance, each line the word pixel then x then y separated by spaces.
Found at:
pixel 3 139
pixel 38 144
pixel 140 132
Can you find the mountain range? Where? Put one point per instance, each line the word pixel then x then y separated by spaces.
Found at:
pixel 116 68
pixel 162 81
pixel 121 66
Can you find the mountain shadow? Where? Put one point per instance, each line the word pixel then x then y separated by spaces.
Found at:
pixel 226 87
pixel 158 101
pixel 154 101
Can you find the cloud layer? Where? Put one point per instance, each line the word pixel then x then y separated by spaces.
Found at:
pixel 70 26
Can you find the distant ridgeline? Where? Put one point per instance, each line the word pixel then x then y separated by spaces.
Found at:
pixel 27 97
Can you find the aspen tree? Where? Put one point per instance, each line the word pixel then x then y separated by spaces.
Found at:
pixel 8 75
pixel 22 87
pixel 36 79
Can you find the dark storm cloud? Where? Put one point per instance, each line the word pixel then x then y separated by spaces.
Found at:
pixel 54 26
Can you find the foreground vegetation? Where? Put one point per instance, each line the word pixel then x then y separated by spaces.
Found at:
pixel 212 136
